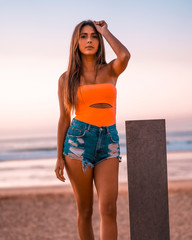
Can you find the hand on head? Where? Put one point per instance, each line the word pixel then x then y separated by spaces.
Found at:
pixel 100 26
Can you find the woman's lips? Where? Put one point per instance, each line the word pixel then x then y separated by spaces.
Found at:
pixel 89 47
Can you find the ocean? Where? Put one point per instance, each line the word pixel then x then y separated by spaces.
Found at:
pixel 45 147
pixel 30 161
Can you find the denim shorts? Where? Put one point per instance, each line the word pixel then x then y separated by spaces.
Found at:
pixel 91 144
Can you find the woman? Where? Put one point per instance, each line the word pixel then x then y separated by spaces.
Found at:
pixel 88 146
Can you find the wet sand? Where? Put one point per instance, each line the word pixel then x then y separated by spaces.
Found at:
pixel 45 213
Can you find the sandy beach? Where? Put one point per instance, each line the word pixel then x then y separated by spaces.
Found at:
pixel 42 213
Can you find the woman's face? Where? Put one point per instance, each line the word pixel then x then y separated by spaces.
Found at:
pixel 88 41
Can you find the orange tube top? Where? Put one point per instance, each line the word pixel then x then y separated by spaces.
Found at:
pixel 92 94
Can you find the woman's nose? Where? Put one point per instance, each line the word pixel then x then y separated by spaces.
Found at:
pixel 89 39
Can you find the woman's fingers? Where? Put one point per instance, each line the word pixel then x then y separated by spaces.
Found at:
pixel 101 26
pixel 59 174
pixel 59 169
pixel 102 23
pixel 99 22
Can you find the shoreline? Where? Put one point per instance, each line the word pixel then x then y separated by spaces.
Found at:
pixel 174 186
pixel 40 172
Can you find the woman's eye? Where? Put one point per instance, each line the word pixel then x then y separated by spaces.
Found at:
pixel 82 36
pixel 95 36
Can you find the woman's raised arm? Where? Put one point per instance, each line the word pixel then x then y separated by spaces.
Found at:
pixel 119 64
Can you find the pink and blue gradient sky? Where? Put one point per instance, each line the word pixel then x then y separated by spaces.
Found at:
pixel 34 50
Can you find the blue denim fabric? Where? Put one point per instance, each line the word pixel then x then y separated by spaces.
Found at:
pixel 91 144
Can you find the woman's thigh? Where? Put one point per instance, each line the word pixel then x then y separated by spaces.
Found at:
pixel 82 182
pixel 106 181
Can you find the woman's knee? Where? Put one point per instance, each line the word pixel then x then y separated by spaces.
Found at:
pixel 85 211
pixel 108 209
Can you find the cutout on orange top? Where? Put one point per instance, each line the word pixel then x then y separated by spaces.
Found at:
pixel 101 105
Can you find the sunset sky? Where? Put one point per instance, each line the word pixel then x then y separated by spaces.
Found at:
pixel 34 50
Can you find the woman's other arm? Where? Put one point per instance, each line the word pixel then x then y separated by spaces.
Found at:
pixel 63 125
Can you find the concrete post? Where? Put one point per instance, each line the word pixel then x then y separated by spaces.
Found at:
pixel 147 180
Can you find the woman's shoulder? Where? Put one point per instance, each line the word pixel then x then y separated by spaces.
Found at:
pixel 107 72
pixel 62 79
pixel 107 66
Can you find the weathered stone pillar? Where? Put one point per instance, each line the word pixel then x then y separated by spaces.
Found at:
pixel 147 180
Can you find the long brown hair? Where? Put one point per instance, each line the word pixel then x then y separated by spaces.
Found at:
pixel 72 79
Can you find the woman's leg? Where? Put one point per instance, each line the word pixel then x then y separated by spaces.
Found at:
pixel 82 183
pixel 106 182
